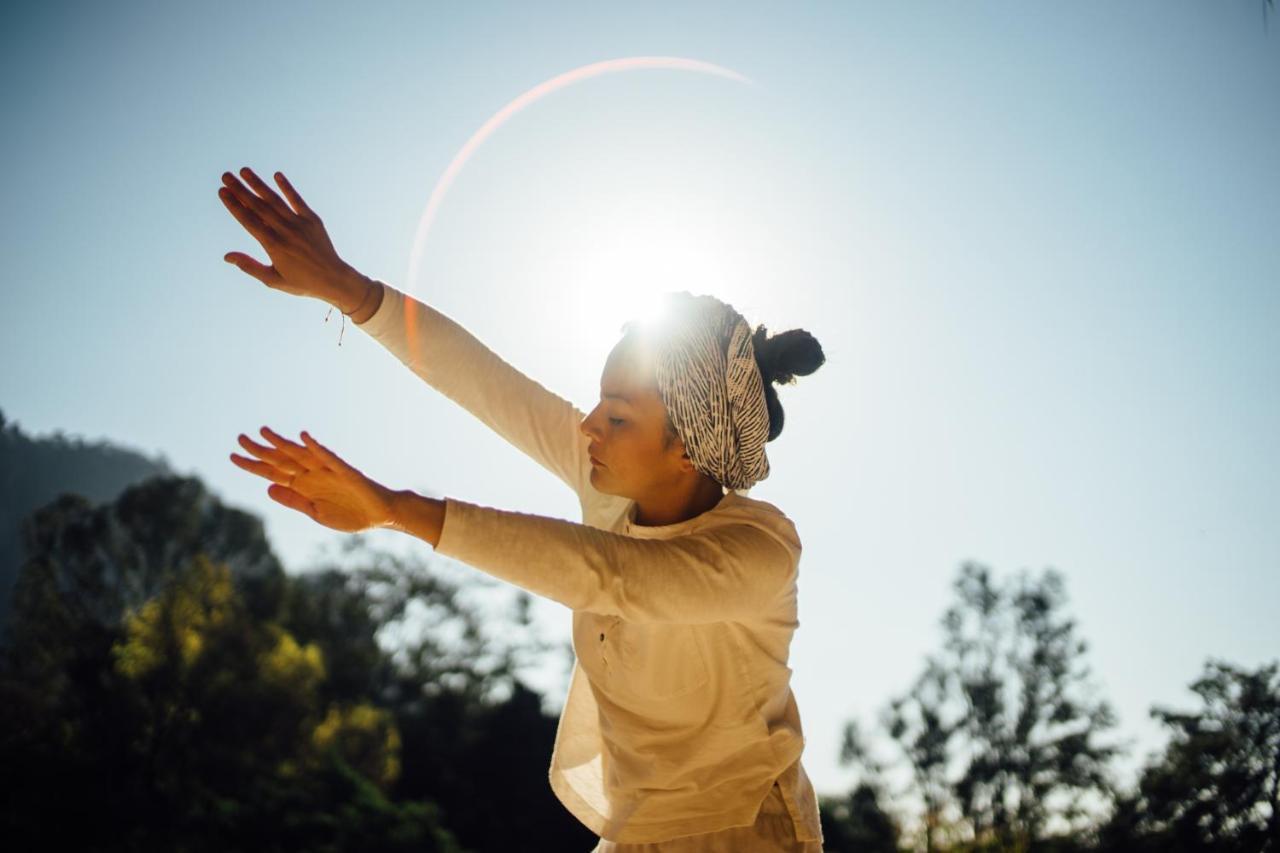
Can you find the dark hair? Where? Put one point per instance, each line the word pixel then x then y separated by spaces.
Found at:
pixel 780 359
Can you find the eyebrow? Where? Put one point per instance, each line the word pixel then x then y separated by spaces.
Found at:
pixel 621 397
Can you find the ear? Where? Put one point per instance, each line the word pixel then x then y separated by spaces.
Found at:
pixel 686 464
pixel 677 446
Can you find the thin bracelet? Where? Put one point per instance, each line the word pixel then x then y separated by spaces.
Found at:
pixel 353 310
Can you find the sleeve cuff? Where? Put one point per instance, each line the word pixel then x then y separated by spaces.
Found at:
pixel 388 310
pixel 459 537
pixel 444 545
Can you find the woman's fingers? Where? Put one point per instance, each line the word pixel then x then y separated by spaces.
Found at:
pixel 268 195
pixel 278 458
pixel 291 456
pixel 295 452
pixel 264 210
pixel 265 470
pixel 263 273
pixel 313 480
pixel 293 500
pixel 334 461
pixel 295 199
pixel 259 207
pixel 252 222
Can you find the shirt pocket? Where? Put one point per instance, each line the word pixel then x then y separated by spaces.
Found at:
pixel 653 662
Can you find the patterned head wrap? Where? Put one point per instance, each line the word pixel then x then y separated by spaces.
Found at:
pixel 708 379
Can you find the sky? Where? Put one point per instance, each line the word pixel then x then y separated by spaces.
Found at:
pixel 1037 242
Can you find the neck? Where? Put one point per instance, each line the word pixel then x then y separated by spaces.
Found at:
pixel 702 495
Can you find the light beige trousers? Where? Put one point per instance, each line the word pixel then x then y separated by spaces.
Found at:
pixel 772 832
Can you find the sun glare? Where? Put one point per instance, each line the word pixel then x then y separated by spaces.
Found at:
pixel 624 263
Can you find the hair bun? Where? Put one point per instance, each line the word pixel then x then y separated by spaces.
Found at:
pixel 783 356
pixel 780 359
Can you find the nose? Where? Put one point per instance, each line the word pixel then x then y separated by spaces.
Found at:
pixel 588 425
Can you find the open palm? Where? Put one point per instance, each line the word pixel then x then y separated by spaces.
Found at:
pixel 312 479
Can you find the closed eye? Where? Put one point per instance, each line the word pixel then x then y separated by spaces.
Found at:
pixel 615 420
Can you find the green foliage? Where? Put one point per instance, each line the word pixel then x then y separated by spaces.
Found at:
pixel 105 560
pixel 153 697
pixel 216 738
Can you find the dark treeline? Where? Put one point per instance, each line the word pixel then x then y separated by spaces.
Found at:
pixel 165 685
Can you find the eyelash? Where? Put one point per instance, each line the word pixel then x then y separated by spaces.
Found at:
pixel 615 420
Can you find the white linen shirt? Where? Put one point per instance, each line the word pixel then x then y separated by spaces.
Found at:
pixel 680 714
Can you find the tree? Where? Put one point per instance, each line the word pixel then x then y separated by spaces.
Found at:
pixel 108 558
pixel 1217 784
pixel 196 726
pixel 38 469
pixel 474 738
pixel 856 823
pixel 999 730
pixel 167 686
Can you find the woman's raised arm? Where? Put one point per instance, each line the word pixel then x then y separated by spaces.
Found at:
pixel 440 351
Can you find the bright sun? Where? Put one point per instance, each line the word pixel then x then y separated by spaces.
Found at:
pixel 623 262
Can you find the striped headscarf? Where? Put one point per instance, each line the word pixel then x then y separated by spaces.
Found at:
pixel 708 379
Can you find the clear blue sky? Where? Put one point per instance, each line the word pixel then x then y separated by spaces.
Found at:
pixel 1037 241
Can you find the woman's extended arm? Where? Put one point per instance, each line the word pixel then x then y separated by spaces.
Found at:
pixel 731 572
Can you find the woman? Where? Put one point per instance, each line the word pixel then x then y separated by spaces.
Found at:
pixel 680 731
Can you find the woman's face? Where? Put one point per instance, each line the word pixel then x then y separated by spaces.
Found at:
pixel 627 429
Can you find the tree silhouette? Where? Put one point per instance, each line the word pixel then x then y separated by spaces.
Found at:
pixel 1217 784
pixel 856 823
pixel 474 738
pixel 154 696
pixel 999 730
pixel 38 469
pixel 182 721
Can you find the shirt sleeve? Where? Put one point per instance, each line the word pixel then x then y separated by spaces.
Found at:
pixel 450 359
pixel 732 572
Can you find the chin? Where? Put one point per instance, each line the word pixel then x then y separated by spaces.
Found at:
pixel 595 482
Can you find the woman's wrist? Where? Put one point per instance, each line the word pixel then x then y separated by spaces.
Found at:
pixel 417 515
pixel 361 296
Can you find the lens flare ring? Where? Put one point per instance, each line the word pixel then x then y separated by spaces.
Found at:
pixel 560 81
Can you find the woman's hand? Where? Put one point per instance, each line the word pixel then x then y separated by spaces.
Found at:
pixel 303 260
pixel 312 479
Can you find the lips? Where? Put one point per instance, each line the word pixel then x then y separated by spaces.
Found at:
pixel 595 461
